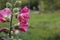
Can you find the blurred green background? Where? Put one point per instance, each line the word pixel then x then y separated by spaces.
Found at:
pixel 47 4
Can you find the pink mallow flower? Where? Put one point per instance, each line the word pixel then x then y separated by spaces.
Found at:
pixel 3 29
pixel 23 18
pixel 5 13
pixel 6 30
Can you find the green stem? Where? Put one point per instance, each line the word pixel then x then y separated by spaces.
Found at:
pixel 10 26
pixel 11 21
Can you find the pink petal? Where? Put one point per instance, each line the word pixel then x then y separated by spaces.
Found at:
pixel 6 12
pixel 25 10
pixel 23 27
pixel 2 18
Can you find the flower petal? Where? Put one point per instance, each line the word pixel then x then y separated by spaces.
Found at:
pixel 2 18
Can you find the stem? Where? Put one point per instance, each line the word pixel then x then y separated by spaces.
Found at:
pixel 10 25
pixel 11 20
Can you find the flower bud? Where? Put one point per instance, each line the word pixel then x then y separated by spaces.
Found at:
pixel 8 5
pixel 18 3
pixel 15 10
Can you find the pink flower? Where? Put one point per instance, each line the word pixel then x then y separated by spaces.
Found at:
pixel 23 18
pixel 2 29
pixel 5 13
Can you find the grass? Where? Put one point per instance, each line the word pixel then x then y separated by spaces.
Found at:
pixel 41 27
